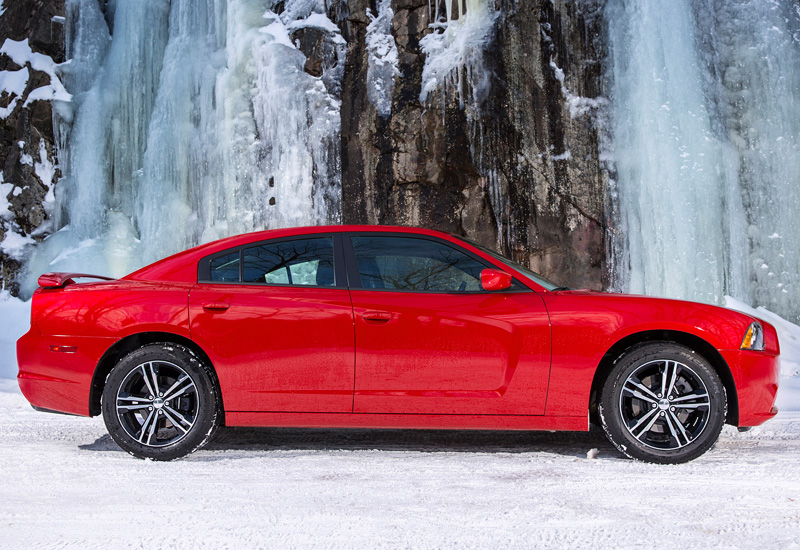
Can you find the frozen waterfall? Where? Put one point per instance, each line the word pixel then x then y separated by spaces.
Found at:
pixel 705 130
pixel 191 120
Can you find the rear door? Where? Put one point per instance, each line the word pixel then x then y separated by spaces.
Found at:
pixel 276 320
pixel 430 340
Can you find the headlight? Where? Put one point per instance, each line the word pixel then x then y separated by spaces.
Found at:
pixel 754 337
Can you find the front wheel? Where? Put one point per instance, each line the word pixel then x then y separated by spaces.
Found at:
pixel 662 403
pixel 160 402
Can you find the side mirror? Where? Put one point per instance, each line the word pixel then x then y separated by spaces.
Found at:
pixel 494 279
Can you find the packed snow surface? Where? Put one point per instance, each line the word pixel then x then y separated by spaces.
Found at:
pixel 66 484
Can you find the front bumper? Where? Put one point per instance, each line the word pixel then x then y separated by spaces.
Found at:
pixel 755 374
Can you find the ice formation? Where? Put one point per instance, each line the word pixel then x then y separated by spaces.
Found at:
pixel 454 51
pixel 706 133
pixel 455 66
pixel 382 60
pixel 191 121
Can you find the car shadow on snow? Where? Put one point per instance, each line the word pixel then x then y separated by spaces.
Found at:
pixel 259 440
pixel 249 442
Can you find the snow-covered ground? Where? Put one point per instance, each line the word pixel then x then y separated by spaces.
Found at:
pixel 65 483
pixel 15 318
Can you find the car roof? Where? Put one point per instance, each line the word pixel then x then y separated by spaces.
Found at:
pixel 182 267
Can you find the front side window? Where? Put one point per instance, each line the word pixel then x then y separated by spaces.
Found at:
pixel 406 263
pixel 305 262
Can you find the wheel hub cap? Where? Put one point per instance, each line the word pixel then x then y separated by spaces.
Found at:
pixel 664 404
pixel 157 403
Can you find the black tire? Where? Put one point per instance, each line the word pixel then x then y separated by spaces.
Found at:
pixel 662 403
pixel 161 402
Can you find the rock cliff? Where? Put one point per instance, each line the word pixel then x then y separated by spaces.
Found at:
pixel 518 169
pixel 504 149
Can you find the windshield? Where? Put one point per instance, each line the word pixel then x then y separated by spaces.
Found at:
pixel 535 277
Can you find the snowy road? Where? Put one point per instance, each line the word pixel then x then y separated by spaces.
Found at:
pixel 64 483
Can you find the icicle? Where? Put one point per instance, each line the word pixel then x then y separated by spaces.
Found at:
pixel 192 120
pixel 706 128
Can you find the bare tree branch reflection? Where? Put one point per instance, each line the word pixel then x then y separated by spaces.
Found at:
pixel 415 264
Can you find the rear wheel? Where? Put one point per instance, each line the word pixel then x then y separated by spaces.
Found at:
pixel 663 403
pixel 160 402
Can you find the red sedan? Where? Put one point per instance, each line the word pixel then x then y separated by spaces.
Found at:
pixel 386 327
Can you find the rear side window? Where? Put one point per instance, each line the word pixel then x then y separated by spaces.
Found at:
pixel 306 262
pixel 402 263
pixel 299 262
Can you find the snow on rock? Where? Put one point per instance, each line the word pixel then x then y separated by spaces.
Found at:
pixel 277 31
pixel 298 9
pixel 317 21
pixel 383 59
pixel 578 105
pixel 45 171
pixel 566 155
pixel 789 339
pixel 13 83
pixel 15 320
pixel 14 245
pixel 21 54
pixel 5 191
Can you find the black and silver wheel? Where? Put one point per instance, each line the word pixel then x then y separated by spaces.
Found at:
pixel 160 402
pixel 662 403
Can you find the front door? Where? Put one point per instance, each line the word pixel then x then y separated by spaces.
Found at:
pixel 430 340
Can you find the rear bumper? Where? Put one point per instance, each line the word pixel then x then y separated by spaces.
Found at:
pixel 55 380
pixel 756 375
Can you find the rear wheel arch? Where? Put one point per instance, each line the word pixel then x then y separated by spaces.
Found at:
pixel 695 343
pixel 123 347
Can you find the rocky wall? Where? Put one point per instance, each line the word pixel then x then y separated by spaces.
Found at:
pixel 27 144
pixel 519 171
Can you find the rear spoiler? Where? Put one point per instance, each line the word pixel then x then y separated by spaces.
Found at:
pixel 58 280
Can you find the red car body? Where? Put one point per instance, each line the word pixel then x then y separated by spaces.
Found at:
pixel 341 356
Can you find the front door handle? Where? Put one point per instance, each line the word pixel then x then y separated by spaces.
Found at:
pixel 216 306
pixel 376 315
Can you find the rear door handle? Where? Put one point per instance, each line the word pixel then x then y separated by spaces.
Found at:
pixel 216 306
pixel 376 315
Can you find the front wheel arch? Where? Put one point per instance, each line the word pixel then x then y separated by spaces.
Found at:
pixel 695 343
pixel 133 342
